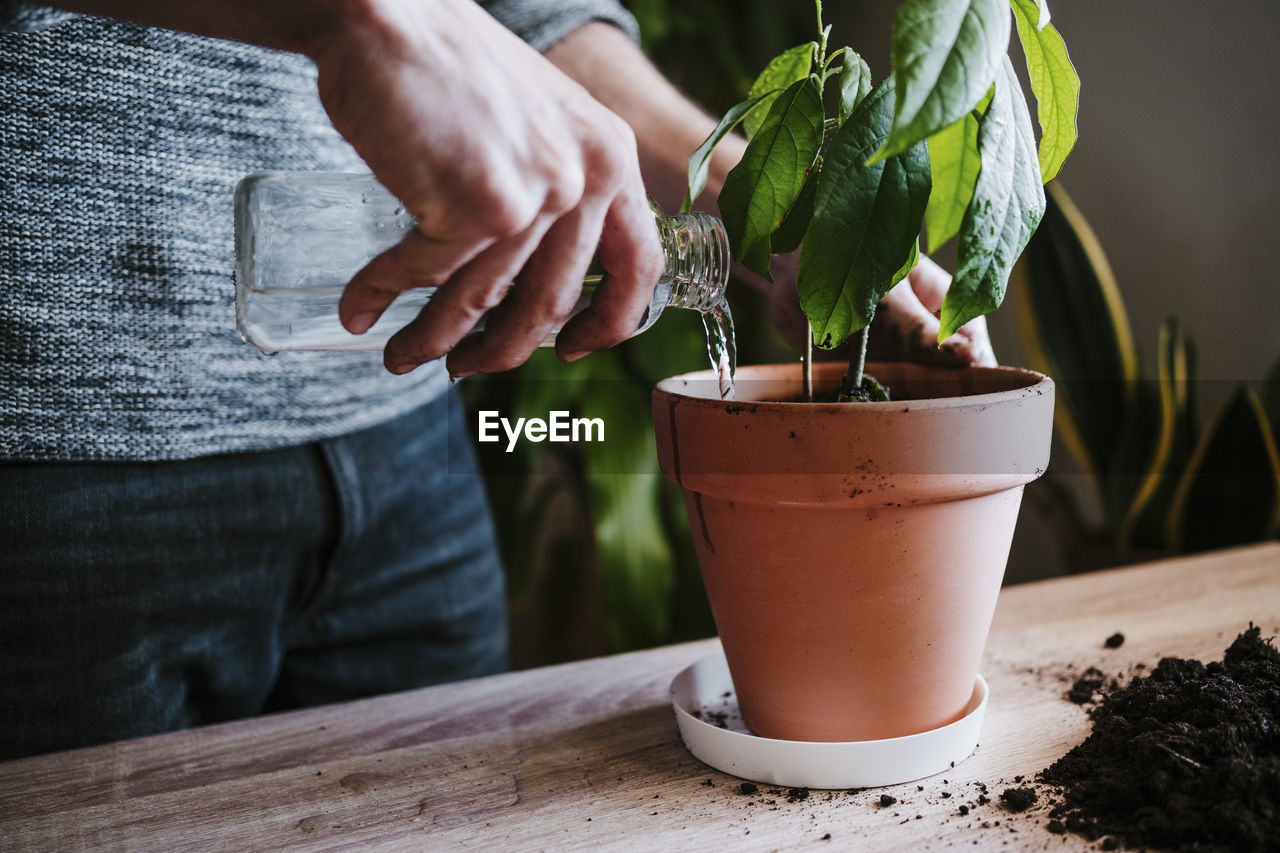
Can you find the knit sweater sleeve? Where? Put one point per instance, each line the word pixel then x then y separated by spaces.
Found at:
pixel 542 23
pixel 19 17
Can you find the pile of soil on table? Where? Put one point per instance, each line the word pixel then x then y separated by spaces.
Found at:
pixel 1187 758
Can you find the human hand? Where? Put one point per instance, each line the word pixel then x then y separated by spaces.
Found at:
pixel 514 174
pixel 906 323
pixel 905 326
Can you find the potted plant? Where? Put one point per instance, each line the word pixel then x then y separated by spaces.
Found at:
pixel 853 541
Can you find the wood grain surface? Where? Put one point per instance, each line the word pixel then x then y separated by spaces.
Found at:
pixel 586 755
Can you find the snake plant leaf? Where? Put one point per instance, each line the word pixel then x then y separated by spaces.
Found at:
pixel 855 82
pixel 1074 327
pixel 866 221
pixel 1008 203
pixel 700 159
pixel 1144 521
pixel 1053 81
pixel 783 70
pixel 1271 398
pixel 1230 492
pixel 1131 452
pixel 761 189
pixel 955 162
pixel 946 55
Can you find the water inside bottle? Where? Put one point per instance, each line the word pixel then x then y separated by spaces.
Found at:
pixel 307 318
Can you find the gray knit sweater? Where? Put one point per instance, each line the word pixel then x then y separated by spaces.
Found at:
pixel 120 148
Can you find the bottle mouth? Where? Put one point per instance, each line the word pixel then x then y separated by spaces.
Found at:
pixel 697 261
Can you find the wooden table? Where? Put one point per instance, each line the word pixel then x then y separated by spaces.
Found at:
pixel 586 755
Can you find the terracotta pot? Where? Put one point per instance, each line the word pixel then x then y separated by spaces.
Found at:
pixel 852 553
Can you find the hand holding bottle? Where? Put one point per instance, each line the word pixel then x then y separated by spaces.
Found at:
pixel 514 174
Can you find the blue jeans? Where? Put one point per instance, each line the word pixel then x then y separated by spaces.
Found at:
pixel 138 598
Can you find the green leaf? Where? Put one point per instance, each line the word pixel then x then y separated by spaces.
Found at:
pixel 1044 14
pixel 1054 82
pixel 955 162
pixel 1230 493
pixel 700 160
pixel 783 70
pixel 761 189
pixel 1008 202
pixel 906 268
pixel 855 82
pixel 789 234
pixel 946 54
pixel 866 221
pixel 1144 522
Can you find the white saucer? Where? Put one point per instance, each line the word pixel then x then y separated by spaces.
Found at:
pixel 717 736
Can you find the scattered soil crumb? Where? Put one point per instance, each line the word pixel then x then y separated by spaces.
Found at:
pixel 886 800
pixel 747 789
pixel 1115 641
pixel 1018 799
pixel 1087 685
pixel 795 795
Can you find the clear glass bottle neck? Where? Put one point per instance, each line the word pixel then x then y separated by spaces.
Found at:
pixel 696 254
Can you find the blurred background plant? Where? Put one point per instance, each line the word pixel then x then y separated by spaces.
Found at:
pixel 1165 484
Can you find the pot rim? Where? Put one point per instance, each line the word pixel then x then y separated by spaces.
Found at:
pixel 1038 384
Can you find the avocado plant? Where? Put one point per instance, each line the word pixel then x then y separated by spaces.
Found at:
pixel 848 171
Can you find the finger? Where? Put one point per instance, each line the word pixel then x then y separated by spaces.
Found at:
pixel 929 282
pixel 460 302
pixel 910 322
pixel 971 343
pixel 416 261
pixel 632 259
pixel 546 292
pixel 977 342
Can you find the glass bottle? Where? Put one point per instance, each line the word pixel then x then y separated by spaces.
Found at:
pixel 301 236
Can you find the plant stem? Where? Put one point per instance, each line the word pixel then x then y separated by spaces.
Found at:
pixel 858 358
pixel 857 361
pixel 806 362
